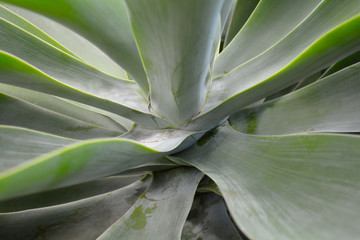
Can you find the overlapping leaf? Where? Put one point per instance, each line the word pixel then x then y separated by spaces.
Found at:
pixel 171 191
pixel 289 187
pixel 83 219
pixel 329 105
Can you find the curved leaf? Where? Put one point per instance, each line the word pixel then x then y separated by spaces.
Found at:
pixel 83 220
pixel 240 15
pixel 329 105
pixel 289 187
pixel 62 162
pixel 15 72
pixel 88 19
pixel 250 83
pixel 68 194
pixel 49 114
pixel 27 26
pixel 269 23
pixel 177 88
pixel 33 161
pixel 62 37
pixel 173 191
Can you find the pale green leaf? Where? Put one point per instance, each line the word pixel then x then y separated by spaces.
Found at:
pixel 27 26
pixel 350 60
pixel 171 192
pixel 177 88
pixel 239 16
pixel 330 40
pixel 78 45
pixel 16 72
pixel 42 112
pixel 289 187
pixel 329 105
pixel 270 22
pixel 81 220
pixel 88 18
pixel 68 194
pixel 32 161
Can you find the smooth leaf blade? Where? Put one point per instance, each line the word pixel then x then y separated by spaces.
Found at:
pixel 88 19
pixel 268 24
pixel 255 84
pixel 68 194
pixel 64 38
pixel 29 166
pixel 240 15
pixel 83 219
pixel 24 114
pixel 173 191
pixel 177 88
pixel 16 72
pixel 22 23
pixel 289 187
pixel 329 105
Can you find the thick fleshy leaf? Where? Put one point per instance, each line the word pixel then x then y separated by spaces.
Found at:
pixel 63 67
pixel 64 38
pixel 289 187
pixel 16 72
pixel 350 60
pixel 177 88
pixel 270 22
pixel 208 220
pixel 240 15
pixel 163 140
pixel 42 112
pixel 82 220
pixel 330 40
pixel 329 105
pixel 172 191
pixel 88 19
pixel 33 161
pixel 27 26
pixel 68 194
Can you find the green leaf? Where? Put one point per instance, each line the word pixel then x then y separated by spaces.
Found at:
pixel 33 161
pixel 289 187
pixel 299 55
pixel 269 23
pixel 88 19
pixel 16 72
pixel 208 220
pixel 27 26
pixel 350 60
pixel 240 15
pixel 62 37
pixel 173 191
pixel 177 88
pixel 42 112
pixel 68 194
pixel 82 220
pixel 329 105
pixel 165 139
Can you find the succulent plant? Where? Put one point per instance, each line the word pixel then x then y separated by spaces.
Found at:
pixel 179 119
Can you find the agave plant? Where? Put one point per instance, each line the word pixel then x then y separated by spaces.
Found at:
pixel 179 119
